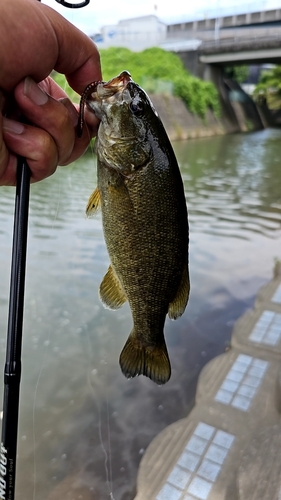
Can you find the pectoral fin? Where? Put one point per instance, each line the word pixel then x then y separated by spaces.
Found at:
pixel 111 292
pixel 178 304
pixel 93 203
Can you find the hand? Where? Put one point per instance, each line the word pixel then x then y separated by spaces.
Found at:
pixel 29 49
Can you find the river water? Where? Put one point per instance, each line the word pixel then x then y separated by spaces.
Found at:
pixel 83 427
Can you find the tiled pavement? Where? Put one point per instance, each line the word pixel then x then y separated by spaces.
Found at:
pixel 228 447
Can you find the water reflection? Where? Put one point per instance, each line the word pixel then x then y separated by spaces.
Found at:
pixel 83 426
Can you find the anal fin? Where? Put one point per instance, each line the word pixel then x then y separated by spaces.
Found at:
pixel 111 292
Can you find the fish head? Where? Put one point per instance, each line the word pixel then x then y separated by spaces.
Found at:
pixel 126 113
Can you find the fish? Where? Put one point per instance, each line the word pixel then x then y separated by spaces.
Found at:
pixel 145 221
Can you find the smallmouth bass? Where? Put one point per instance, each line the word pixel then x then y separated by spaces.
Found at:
pixel 145 223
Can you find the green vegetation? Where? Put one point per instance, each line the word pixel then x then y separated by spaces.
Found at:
pixel 237 73
pixel 269 88
pixel 154 67
pixel 156 71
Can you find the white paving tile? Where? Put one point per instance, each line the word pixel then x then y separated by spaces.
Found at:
pixel 260 363
pixel 216 454
pixel 223 439
pixel 252 381
pixel 204 431
pixel 189 461
pixel 195 472
pixel 200 488
pixel 179 477
pixel 244 358
pixel 267 329
pixel 235 375
pixel 197 445
pixel 224 396
pixel 229 385
pixel 241 403
pixel 240 392
pixel 209 470
pixel 168 492
pixel 246 390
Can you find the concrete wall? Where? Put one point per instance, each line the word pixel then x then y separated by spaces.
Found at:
pixel 180 123
pixel 238 112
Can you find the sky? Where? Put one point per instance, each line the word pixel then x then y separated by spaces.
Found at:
pixel 103 12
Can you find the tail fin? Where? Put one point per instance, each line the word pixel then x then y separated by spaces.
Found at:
pixel 149 360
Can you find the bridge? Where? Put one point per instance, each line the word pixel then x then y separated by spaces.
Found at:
pixel 225 26
pixel 252 38
pixel 207 45
pixel 237 50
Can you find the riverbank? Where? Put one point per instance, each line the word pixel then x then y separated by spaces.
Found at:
pixel 239 113
pixel 228 446
pixel 181 124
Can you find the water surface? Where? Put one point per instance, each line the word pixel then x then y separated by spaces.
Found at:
pixel 84 427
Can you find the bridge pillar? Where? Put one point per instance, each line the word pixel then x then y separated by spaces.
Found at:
pixel 215 74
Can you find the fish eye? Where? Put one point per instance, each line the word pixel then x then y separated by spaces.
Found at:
pixel 137 107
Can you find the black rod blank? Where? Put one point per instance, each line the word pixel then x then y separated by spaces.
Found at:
pixel 12 371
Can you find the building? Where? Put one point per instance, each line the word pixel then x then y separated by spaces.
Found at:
pixel 137 33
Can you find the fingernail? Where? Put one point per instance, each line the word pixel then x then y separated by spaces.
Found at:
pixel 12 126
pixel 33 92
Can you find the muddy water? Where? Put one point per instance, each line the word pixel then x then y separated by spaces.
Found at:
pixel 84 427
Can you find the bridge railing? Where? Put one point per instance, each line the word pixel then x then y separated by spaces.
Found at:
pixel 225 34
pixel 236 43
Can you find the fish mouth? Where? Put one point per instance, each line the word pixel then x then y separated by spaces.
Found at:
pixel 114 86
pixel 118 82
pixel 96 91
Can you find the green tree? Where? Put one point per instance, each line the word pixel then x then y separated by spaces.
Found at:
pixel 153 66
pixel 237 73
pixel 269 88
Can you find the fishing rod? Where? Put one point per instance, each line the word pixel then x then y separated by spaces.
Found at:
pixel 12 370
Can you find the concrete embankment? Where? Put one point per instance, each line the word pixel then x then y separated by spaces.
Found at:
pixel 228 447
pixel 181 123
pixel 239 113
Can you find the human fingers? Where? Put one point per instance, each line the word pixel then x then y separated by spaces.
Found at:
pixel 78 57
pixel 91 121
pixel 57 116
pixel 33 143
pixel 48 114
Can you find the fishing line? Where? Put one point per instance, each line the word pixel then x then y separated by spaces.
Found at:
pixel 107 455
pixel 45 352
